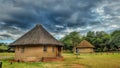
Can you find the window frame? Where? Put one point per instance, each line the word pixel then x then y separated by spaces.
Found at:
pixel 45 48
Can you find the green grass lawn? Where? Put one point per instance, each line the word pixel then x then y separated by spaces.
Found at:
pixel 7 54
pixel 71 61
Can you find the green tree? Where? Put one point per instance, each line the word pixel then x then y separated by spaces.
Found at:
pixel 115 40
pixel 3 46
pixel 71 40
pixel 99 39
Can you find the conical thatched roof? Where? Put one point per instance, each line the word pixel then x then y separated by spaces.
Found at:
pixel 37 35
pixel 85 44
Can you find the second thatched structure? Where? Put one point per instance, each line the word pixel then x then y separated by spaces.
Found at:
pixel 84 47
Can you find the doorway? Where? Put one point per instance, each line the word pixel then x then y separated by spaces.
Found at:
pixel 59 51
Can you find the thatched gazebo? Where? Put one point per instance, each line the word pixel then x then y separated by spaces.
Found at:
pixel 36 45
pixel 84 47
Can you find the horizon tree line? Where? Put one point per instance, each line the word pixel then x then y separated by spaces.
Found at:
pixel 100 39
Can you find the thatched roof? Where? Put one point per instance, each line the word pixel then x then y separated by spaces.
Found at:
pixel 85 44
pixel 37 35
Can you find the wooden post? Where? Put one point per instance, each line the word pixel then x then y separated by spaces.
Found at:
pixel 77 53
pixel 0 64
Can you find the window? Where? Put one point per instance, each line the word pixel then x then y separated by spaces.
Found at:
pixel 45 48
pixel 22 49
pixel 53 49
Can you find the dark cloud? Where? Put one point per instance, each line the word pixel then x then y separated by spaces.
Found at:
pixel 58 16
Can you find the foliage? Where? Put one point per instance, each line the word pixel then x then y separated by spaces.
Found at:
pixel 100 39
pixel 115 39
pixel 71 40
pixel 3 46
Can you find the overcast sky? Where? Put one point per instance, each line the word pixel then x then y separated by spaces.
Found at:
pixel 59 17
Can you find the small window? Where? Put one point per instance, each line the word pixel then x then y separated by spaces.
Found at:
pixel 45 48
pixel 53 49
pixel 22 49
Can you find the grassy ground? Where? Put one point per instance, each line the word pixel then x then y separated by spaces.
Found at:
pixel 71 61
pixel 6 54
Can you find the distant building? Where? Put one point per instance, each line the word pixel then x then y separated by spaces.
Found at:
pixel 84 47
pixel 36 45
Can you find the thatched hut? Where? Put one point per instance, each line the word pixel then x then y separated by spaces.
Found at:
pixel 84 47
pixel 36 45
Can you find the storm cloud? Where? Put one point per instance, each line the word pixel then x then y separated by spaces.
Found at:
pixel 59 17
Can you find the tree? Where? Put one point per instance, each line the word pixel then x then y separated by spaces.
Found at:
pixel 99 39
pixel 115 40
pixel 3 46
pixel 90 36
pixel 71 40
